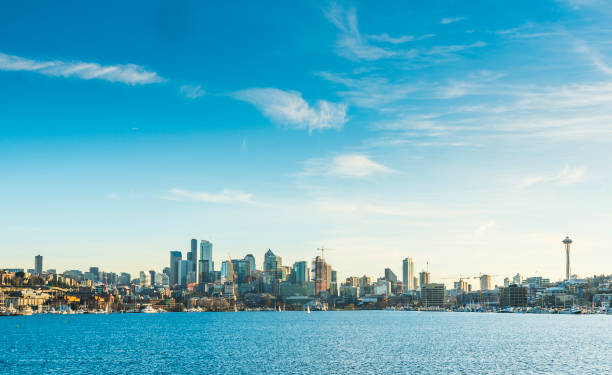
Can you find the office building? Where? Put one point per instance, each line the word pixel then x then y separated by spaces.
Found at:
pixel 184 269
pixel 241 271
pixel 408 274
pixel 423 278
pixel 194 254
pixel 513 295
pixel 390 276
pixel 461 286
pixel 152 277
pixel 485 282
pixel 175 258
pixel 322 275
pixel 38 264
pixel 206 249
pixel 517 279
pixel 252 267
pixel 301 273
pixel 432 295
pixel 203 271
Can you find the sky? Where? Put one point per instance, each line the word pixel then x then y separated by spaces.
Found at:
pixel 472 136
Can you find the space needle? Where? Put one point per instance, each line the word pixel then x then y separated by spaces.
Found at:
pixel 567 242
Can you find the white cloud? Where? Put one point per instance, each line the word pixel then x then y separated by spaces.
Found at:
pixel 289 108
pixel 129 73
pixel 447 20
pixel 346 166
pixel 386 38
pixel 568 176
pixel 484 227
pixel 191 91
pixel 225 196
pixel 351 44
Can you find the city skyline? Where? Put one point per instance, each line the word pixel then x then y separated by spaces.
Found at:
pixel 180 261
pixel 471 136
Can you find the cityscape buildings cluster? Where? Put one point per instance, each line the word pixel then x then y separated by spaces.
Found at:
pixel 193 281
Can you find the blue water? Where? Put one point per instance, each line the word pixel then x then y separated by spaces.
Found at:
pixel 371 342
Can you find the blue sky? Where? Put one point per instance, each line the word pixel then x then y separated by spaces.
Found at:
pixel 473 135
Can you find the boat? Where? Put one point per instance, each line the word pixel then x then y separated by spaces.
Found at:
pixel 149 310
pixel 507 310
pixel 572 310
pixel 235 308
pixel 307 309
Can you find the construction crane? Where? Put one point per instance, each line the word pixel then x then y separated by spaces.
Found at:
pixel 323 249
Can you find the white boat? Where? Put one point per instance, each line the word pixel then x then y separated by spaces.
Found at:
pixel 235 308
pixel 308 310
pixel 572 310
pixel 149 310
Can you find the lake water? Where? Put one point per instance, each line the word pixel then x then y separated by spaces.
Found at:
pixel 372 342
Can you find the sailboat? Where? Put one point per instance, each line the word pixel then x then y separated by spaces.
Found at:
pixel 235 308
pixel 307 309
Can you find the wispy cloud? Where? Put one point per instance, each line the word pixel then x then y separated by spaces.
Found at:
pixel 484 227
pixel 386 38
pixel 191 91
pixel 125 73
pixel 225 196
pixel 346 166
pixel 567 177
pixel 351 44
pixel 447 20
pixel 290 109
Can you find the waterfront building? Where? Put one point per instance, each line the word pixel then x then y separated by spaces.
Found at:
pixel 175 258
pixel 432 295
pixel 408 274
pixel 349 293
pixel 38 264
pixel 423 278
pixel 513 295
pixel 206 249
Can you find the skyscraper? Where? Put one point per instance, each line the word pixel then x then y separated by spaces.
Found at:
pixel 152 277
pixel 408 274
pixel 567 242
pixel 423 278
pixel 206 253
pixel 38 264
pixel 485 282
pixel 322 275
pixel 301 272
pixel 175 257
pixel 194 254
pixel 251 259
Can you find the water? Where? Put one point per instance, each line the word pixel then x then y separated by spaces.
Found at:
pixel 372 342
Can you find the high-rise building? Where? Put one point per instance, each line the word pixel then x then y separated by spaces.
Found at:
pixel 408 274
pixel 461 286
pixel 96 272
pixel 206 249
pixel 485 282
pixel 184 268
pixel 241 271
pixel 272 272
pixel 301 272
pixel 175 258
pixel 390 276
pixel 227 271
pixel 38 264
pixel 423 278
pixel 432 295
pixel 203 271
pixel 252 267
pixel 194 254
pixel 152 277
pixel 322 275
pixel 506 282
pixel 517 279
pixel 567 242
